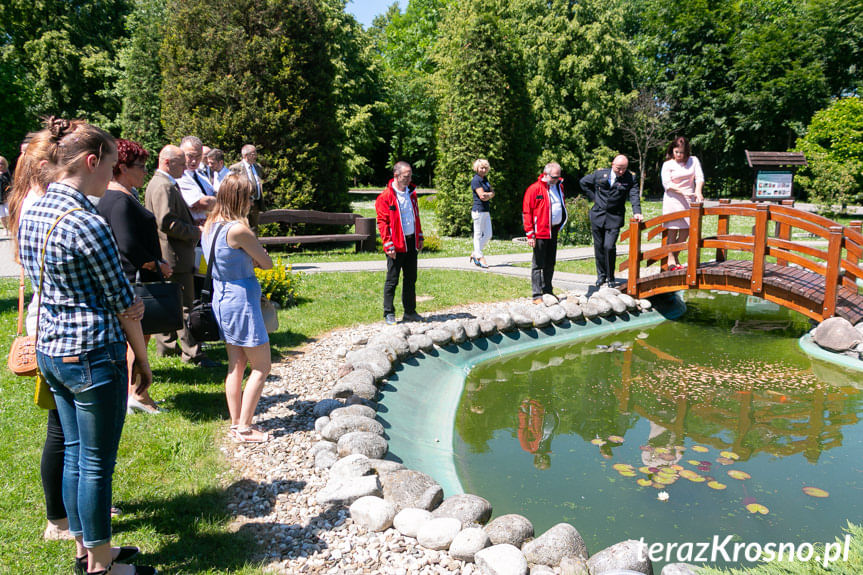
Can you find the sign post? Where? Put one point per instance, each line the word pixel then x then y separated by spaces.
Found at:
pixel 774 174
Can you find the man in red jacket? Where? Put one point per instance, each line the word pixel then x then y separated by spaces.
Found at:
pixel 402 237
pixel 544 213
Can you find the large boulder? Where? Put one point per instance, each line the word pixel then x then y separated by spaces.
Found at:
pixel 456 328
pixel 522 317
pixel 438 533
pixel 503 559
pixel 373 513
pixel 358 382
pixel 602 305
pixel 409 520
pixel 471 329
pixel 355 465
pixel 503 321
pixel 409 488
pixel 836 334
pixel 326 406
pixel 350 423
pixel 440 335
pixel 512 529
pixel 396 344
pixel 372 360
pixel 556 313
pixel 467 543
pixel 573 566
pixel 487 327
pixel 362 410
pixel 466 508
pixel 346 490
pixel 572 309
pixel 420 342
pixel 630 554
pixel 369 444
pixel 549 299
pixel 591 310
pixel 630 302
pixel 382 466
pixel 540 316
pixel 562 540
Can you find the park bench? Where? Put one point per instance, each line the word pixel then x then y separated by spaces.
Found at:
pixel 364 228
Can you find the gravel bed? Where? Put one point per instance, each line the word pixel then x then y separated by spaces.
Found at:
pixel 275 497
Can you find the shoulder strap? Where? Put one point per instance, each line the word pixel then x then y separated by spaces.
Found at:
pixel 21 304
pixel 207 291
pixel 42 264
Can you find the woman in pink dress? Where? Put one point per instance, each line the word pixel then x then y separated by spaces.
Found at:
pixel 683 181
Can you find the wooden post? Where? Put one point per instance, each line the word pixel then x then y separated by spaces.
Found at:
pixel 366 226
pixel 831 277
pixel 759 248
pixel 722 229
pixel 783 232
pixel 696 211
pixel 635 227
pixel 663 261
pixel 857 226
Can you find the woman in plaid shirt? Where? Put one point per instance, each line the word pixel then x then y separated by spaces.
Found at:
pixel 87 312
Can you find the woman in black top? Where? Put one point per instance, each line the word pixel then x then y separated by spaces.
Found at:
pixel 480 214
pixel 134 228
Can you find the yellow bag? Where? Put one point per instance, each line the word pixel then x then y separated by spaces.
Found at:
pixel 43 397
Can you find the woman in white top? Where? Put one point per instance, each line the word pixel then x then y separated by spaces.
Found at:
pixel 683 181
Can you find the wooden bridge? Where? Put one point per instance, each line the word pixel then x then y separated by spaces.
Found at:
pixel 796 274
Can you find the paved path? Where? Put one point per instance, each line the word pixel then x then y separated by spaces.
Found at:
pixel 500 264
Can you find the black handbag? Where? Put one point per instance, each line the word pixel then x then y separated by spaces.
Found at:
pixel 201 323
pixel 163 304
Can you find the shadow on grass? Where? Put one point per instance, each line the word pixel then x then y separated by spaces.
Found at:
pixel 194 527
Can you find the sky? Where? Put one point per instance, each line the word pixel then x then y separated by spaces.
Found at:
pixel 366 10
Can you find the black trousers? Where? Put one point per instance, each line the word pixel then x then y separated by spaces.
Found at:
pixel 542 265
pixel 52 468
pixel 605 251
pixel 406 263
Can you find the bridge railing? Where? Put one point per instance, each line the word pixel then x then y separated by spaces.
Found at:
pixel 839 263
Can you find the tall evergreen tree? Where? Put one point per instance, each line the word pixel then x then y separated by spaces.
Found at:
pixel 484 113
pixel 241 71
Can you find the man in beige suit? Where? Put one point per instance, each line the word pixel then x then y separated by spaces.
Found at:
pixel 178 236
pixel 250 168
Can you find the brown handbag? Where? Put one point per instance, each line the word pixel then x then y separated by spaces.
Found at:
pixel 22 355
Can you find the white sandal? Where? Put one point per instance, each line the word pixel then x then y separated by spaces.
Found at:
pixel 249 434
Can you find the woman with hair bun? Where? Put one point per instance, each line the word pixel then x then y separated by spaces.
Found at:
pixel 87 312
pixel 237 302
pixel 134 228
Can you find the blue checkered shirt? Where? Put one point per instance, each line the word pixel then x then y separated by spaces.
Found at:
pixel 84 286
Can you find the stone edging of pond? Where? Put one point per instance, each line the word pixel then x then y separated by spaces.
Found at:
pixel 836 341
pixel 382 493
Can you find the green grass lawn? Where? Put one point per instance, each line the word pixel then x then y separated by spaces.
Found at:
pixel 171 480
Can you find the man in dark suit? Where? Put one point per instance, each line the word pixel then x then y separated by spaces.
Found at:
pixel 178 236
pixel 608 190
pixel 250 168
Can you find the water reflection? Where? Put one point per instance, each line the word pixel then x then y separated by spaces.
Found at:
pixel 635 434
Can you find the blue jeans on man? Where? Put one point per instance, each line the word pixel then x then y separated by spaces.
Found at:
pixel 90 390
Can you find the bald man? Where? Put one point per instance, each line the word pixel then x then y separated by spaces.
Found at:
pixel 178 236
pixel 608 189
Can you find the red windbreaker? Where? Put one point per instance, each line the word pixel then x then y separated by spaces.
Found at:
pixel 390 219
pixel 536 210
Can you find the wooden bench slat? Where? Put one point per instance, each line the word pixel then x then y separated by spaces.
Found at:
pixel 308 217
pixel 319 239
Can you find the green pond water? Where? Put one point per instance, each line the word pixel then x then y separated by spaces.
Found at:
pixel 565 433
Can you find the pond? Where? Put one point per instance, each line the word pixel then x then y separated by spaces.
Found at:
pixel 715 424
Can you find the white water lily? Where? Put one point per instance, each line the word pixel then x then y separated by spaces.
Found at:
pixel 662 496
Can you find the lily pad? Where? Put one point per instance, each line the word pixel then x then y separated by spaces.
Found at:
pixel 627 473
pixel 598 441
pixel 729 455
pixel 615 438
pixel 757 508
pixel 724 460
pixel 661 450
pixel 693 462
pixel 700 449
pixel 646 470
pixel 644 482
pixel 716 485
pixel 622 467
pixel 676 467
pixel 815 492
pixel 664 479
pixel 737 474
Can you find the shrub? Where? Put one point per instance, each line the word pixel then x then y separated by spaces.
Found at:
pixel 432 243
pixel 280 284
pixel 427 201
pixel 577 228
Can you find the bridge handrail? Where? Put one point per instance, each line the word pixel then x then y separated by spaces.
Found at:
pixel 837 271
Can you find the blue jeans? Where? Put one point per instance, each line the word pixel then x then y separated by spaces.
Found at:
pixel 90 391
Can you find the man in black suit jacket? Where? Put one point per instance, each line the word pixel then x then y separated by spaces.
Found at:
pixel 608 189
